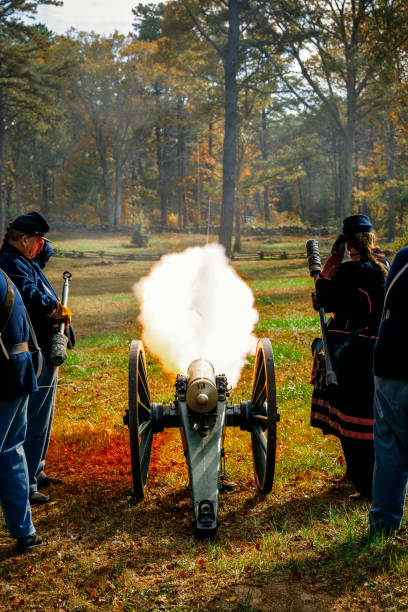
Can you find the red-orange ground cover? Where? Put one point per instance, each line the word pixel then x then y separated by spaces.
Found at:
pixel 87 460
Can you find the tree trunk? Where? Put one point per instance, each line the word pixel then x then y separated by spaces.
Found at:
pixel 336 184
pixel 366 147
pixel 230 128
pixel 265 155
pixel 267 212
pixel 210 175
pixel 309 205
pixel 118 192
pixel 45 202
pixel 349 134
pixel 237 242
pixel 16 174
pixel 256 203
pixel 302 201
pixel 198 185
pixel 336 169
pixel 9 191
pixel 180 185
pixel 17 183
pixel 161 152
pixel 181 196
pixel 346 172
pixel 107 191
pixel 106 182
pixel 164 195
pixel 210 138
pixel 390 152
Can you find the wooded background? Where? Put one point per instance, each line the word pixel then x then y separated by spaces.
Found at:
pixel 211 113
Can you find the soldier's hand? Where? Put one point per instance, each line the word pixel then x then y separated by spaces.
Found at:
pixel 339 246
pixel 331 266
pixel 66 314
pixel 62 312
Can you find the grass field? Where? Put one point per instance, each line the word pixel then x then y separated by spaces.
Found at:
pixel 302 548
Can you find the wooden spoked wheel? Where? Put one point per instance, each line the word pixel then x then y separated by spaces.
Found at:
pixel 140 423
pixel 264 416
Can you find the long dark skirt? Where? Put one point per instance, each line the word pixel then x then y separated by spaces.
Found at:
pixel 347 411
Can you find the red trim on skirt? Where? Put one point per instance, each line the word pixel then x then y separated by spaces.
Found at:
pixel 341 415
pixel 344 432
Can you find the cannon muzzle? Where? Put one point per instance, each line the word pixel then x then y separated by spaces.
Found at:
pixel 202 394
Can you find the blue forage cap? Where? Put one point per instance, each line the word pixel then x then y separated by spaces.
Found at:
pixel 357 223
pixel 32 224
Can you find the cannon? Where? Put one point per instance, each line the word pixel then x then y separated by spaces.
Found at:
pixel 202 412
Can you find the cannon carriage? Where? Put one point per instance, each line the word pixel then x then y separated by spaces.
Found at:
pixel 202 412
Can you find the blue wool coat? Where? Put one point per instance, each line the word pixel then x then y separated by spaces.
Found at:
pixel 390 354
pixel 17 376
pixel 37 292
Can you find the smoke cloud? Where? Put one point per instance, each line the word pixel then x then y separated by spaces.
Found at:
pixel 194 305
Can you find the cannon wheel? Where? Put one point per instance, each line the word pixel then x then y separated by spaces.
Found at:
pixel 264 416
pixel 140 424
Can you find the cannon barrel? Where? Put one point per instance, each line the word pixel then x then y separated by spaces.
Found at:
pixel 202 394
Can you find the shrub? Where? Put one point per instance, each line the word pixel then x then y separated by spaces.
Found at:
pixel 140 235
pixel 172 221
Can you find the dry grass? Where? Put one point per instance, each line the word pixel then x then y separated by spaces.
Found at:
pixel 304 547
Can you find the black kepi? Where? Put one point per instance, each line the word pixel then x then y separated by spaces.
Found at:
pixel 32 224
pixel 357 223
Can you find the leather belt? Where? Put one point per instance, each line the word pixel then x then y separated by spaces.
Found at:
pixel 16 349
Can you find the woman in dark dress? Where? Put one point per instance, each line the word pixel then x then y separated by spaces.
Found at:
pixel 354 292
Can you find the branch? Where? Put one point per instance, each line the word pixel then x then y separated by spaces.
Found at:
pixel 364 81
pixel 326 71
pixel 202 31
pixel 332 109
pixel 369 108
pixel 297 95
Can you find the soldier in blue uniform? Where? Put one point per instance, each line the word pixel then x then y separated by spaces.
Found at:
pixel 44 481
pixel 391 404
pixel 354 292
pixel 23 242
pixel 17 381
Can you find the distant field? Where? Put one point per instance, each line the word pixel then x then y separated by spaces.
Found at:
pixel 168 241
pixel 302 548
